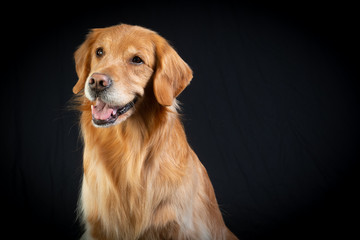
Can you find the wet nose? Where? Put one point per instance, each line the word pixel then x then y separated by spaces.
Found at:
pixel 99 82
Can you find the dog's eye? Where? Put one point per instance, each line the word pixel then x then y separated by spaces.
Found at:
pixel 137 60
pixel 99 52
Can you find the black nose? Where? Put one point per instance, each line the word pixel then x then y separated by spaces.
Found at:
pixel 99 82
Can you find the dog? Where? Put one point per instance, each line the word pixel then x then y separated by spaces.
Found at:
pixel 141 178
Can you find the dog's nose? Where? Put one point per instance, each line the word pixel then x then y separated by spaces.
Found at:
pixel 98 82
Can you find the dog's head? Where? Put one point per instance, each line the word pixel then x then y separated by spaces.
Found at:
pixel 115 64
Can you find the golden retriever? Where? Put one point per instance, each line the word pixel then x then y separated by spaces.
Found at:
pixel 141 178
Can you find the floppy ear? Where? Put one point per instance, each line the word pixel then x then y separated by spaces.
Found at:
pixel 172 74
pixel 82 61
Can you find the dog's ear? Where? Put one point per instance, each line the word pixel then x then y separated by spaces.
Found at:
pixel 82 61
pixel 172 74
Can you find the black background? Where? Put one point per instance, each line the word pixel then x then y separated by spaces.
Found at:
pixel 272 111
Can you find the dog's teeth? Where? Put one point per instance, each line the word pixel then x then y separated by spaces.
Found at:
pixel 114 112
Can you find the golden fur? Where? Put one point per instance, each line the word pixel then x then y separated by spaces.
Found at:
pixel 141 178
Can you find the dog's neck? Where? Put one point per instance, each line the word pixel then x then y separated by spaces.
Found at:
pixel 135 141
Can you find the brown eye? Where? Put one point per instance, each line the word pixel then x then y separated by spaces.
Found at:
pixel 99 52
pixel 137 60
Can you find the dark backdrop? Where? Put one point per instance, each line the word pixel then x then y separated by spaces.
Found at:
pixel 272 111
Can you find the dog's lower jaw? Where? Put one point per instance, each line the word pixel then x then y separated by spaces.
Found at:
pixel 118 115
pixel 118 120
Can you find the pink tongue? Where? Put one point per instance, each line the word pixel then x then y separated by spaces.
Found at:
pixel 101 110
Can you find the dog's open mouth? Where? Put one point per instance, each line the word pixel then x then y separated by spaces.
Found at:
pixel 104 115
